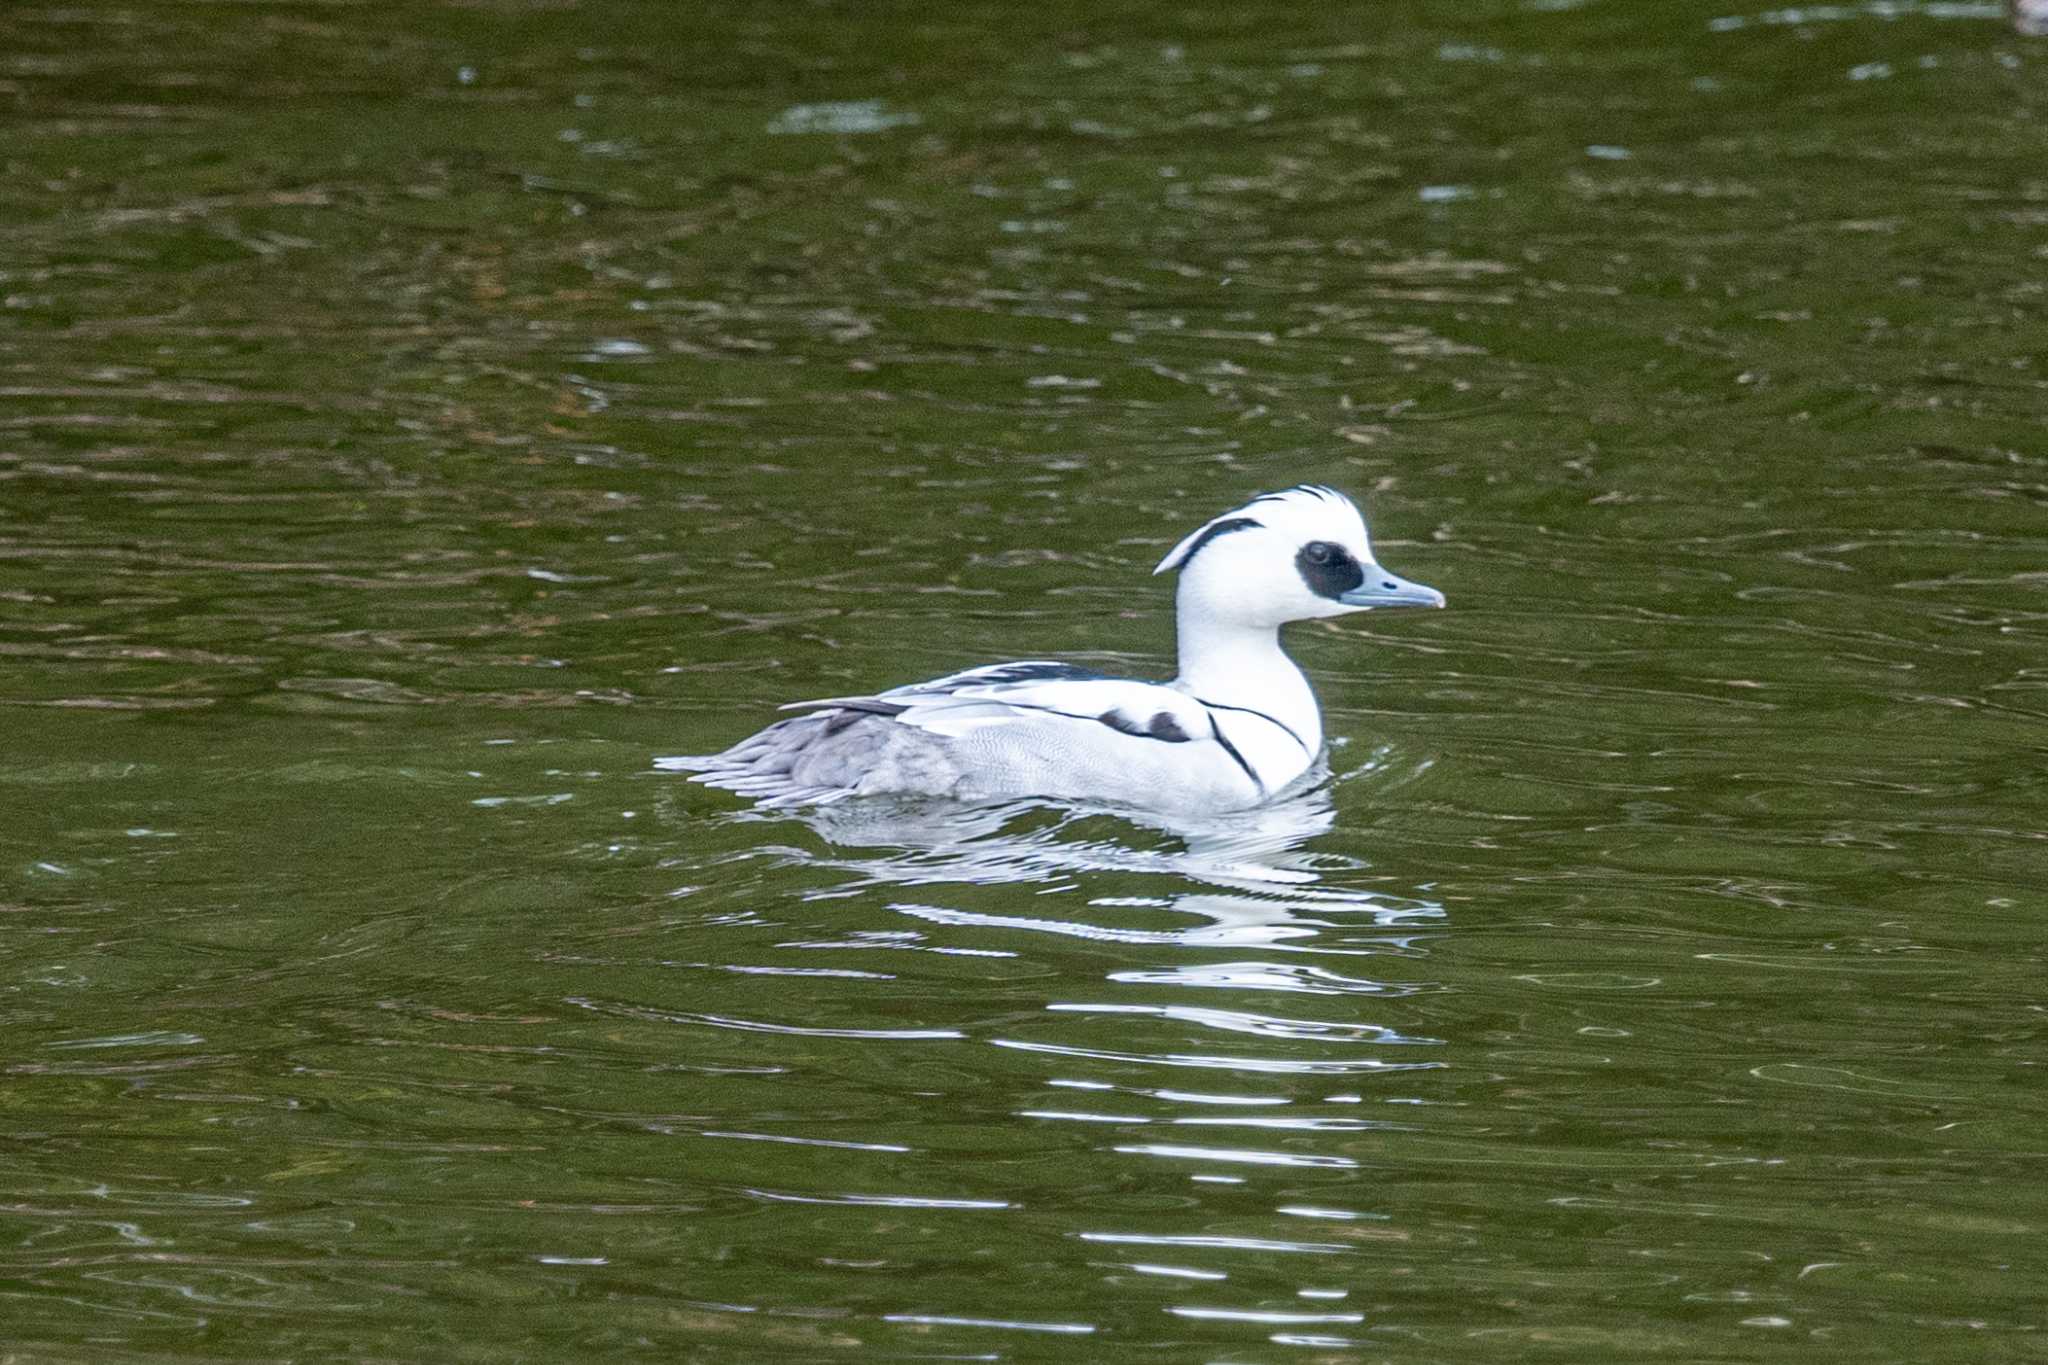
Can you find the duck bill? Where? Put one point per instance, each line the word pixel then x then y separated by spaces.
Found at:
pixel 1382 589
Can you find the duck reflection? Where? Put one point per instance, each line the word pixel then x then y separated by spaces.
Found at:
pixel 1195 1006
pixel 1247 879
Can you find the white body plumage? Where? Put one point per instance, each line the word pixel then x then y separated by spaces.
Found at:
pixel 1234 729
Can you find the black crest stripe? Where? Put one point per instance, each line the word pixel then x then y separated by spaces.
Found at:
pixel 1215 529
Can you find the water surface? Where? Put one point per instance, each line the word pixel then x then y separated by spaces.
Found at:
pixel 415 423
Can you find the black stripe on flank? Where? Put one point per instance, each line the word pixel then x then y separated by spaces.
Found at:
pixel 1162 726
pixel 1216 733
pixel 1328 569
pixel 1219 706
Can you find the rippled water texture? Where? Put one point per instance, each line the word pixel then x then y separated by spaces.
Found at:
pixel 415 420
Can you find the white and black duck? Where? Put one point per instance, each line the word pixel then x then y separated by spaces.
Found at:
pixel 1236 727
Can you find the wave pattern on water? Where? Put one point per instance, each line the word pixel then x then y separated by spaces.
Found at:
pixel 1658 970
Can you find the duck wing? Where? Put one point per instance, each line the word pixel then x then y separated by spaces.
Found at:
pixel 1031 728
pixel 1020 673
pixel 1030 691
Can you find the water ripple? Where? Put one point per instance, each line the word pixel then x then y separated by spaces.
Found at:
pixel 1279 1066
pixel 1217 1242
pixel 1244 1021
pixel 1245 1155
pixel 758 1026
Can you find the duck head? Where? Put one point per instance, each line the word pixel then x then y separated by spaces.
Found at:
pixel 1289 556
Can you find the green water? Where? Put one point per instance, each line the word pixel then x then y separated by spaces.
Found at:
pixel 416 420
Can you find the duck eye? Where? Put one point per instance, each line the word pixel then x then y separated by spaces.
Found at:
pixel 1319 552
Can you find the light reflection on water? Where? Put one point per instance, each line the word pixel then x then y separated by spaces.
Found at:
pixel 1253 882
pixel 1287 899
pixel 1261 854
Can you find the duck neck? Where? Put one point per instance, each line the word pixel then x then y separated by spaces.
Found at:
pixel 1243 666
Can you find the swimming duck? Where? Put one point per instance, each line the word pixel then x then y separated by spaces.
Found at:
pixel 1236 727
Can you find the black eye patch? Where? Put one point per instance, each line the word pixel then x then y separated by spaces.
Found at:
pixel 1328 569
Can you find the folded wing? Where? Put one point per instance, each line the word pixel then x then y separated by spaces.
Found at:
pixel 1008 694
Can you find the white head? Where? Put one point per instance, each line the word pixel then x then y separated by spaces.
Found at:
pixel 1289 556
